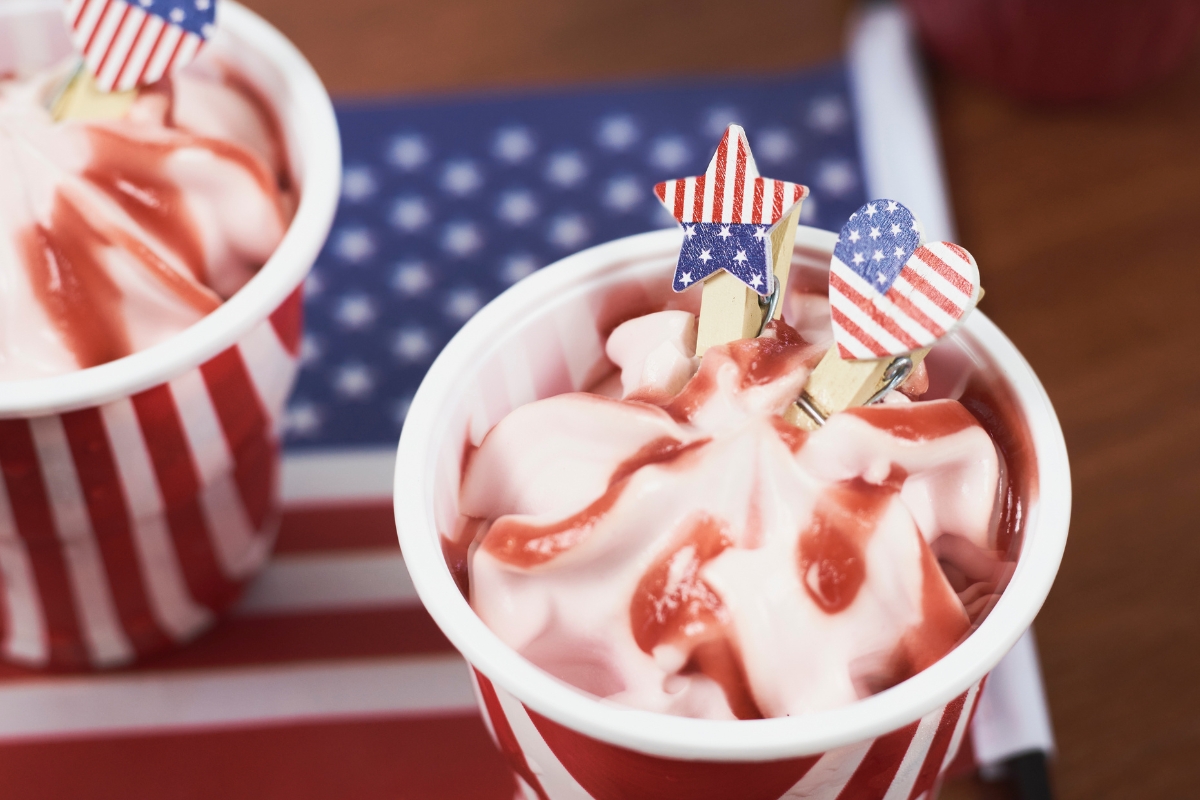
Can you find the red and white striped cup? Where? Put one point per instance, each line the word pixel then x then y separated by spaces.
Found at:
pixel 544 336
pixel 138 497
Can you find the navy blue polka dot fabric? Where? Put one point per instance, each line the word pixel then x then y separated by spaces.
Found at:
pixel 446 202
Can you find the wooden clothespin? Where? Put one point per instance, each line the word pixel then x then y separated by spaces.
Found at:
pixel 891 297
pixel 125 44
pixel 739 229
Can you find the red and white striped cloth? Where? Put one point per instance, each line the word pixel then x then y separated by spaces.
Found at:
pixel 126 527
pixel 327 680
pixel 129 44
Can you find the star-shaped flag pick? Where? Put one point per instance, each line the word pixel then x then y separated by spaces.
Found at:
pixel 131 43
pixel 727 214
pixel 890 293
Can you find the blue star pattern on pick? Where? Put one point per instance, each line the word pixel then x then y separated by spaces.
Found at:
pixel 726 215
pixel 447 202
pixel 877 241
pixel 740 250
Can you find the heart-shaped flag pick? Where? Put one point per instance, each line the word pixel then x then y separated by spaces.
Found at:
pixel 890 293
pixel 131 43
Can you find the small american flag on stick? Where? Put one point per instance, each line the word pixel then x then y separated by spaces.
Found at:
pixel 131 44
pixel 889 292
pixel 726 215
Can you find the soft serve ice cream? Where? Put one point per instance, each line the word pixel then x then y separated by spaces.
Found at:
pixel 671 543
pixel 115 235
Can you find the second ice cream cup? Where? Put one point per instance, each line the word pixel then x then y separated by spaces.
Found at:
pixel 139 496
pixel 545 336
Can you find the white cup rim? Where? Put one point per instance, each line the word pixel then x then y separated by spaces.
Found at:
pixel 678 737
pixel 317 138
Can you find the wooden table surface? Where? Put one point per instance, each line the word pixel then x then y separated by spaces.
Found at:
pixel 1085 222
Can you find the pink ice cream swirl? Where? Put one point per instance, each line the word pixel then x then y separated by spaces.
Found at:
pixel 685 550
pixel 115 235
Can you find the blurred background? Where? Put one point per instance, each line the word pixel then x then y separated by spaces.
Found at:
pixel 1069 136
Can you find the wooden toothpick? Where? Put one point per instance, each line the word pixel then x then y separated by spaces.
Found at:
pixel 82 99
pixel 729 309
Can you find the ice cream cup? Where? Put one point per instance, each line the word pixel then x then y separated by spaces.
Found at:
pixel 545 336
pixel 139 496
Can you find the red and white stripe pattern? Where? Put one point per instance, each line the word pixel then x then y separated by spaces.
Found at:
pixel 126 527
pixel 935 289
pixel 730 191
pixel 553 762
pixel 890 293
pixel 131 44
pixel 327 679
